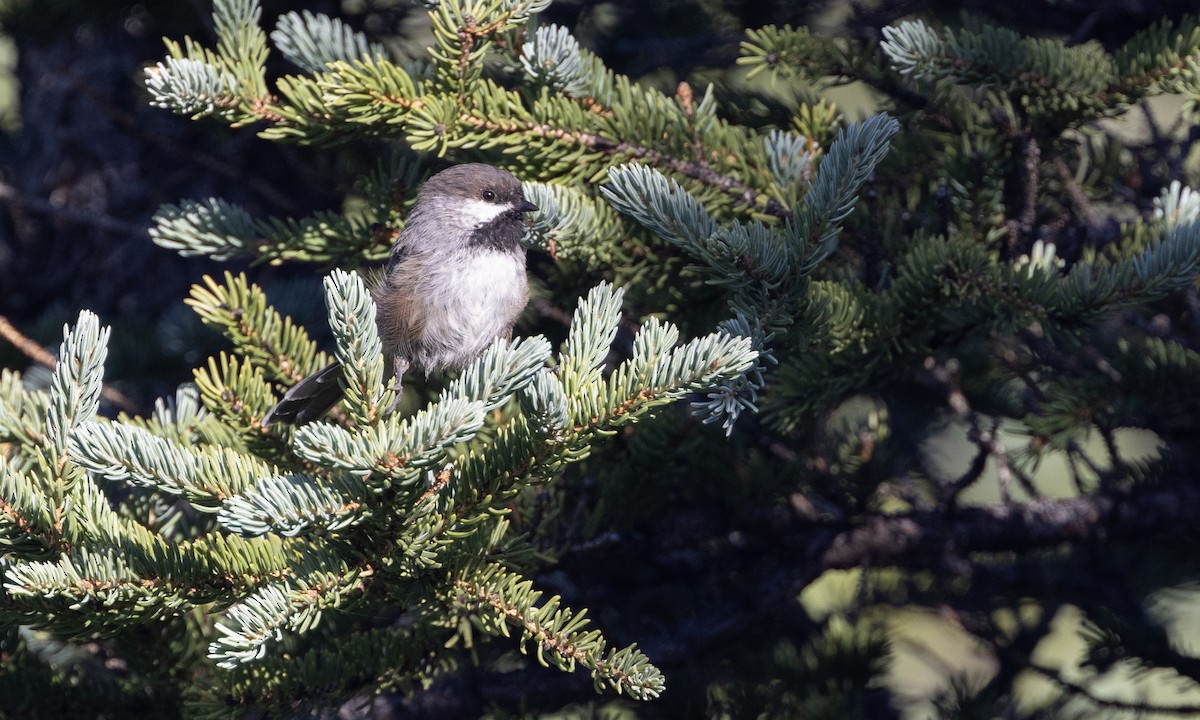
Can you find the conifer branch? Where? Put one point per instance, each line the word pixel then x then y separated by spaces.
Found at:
pixel 505 367
pixel 204 476
pixel 385 659
pixel 102 581
pixel 237 393
pixel 75 388
pixel 314 41
pixel 38 354
pixel 394 449
pixel 225 231
pixel 293 504
pixel 557 632
pixel 593 328
pixel 26 523
pixel 359 349
pixel 190 87
pixel 240 311
pixel 260 619
pixel 1000 58
pixel 786 51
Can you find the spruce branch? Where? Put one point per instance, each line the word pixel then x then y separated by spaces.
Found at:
pixel 224 231
pixel 790 158
pixel 87 592
pixel 241 43
pixel 238 395
pixel 78 376
pixel 205 476
pixel 1169 265
pixel 552 56
pixel 657 376
pixel 1045 78
pixel 1177 205
pixel 313 41
pixel 39 354
pixel 593 328
pixel 728 400
pixel 240 311
pixel 764 266
pixel 504 368
pixel 660 204
pixel 293 504
pixel 26 520
pixel 230 81
pixel 463 34
pixel 845 168
pixel 544 403
pixel 379 97
pixel 216 228
pixel 505 599
pixel 787 51
pixel 261 618
pixel 702 172
pixel 579 407
pixel 1160 58
pixel 573 225
pixel 379 659
pixel 22 413
pixel 73 400
pixel 394 449
pixel 373 93
pixel 751 259
pixel 190 87
pixel 181 417
pixel 359 350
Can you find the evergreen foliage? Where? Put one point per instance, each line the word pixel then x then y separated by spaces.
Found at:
pixel 836 294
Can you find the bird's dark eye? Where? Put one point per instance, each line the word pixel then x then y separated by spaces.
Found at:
pixel 489 195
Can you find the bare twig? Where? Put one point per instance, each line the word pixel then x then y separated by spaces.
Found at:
pixel 921 538
pixel 40 355
pixel 1082 203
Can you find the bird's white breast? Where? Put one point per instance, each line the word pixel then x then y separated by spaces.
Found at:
pixel 479 297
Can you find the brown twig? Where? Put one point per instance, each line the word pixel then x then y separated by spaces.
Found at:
pixel 1021 183
pixel 40 355
pixel 694 169
pixel 920 538
pixel 1082 203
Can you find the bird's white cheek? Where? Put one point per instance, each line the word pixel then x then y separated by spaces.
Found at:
pixel 481 212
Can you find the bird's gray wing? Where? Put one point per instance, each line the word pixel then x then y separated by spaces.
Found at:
pixel 308 399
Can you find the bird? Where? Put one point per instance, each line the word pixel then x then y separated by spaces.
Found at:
pixel 455 281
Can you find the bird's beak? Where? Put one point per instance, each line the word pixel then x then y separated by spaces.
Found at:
pixel 525 206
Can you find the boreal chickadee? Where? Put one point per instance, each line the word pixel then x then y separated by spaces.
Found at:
pixel 454 283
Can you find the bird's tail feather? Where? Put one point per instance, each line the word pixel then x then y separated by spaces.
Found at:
pixel 308 399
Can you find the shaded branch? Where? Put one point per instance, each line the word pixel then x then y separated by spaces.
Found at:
pixel 922 538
